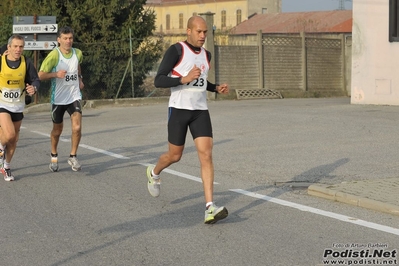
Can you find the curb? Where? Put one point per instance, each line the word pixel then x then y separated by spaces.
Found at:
pixel 327 192
pixel 91 104
pixel 35 108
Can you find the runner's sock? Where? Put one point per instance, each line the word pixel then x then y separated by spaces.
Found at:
pixel 154 175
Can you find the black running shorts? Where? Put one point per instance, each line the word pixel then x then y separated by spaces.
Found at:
pixel 179 120
pixel 15 117
pixel 58 111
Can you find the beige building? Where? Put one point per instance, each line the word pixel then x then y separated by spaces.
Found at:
pixel 375 51
pixel 172 15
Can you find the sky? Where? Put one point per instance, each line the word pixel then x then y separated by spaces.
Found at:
pixel 313 5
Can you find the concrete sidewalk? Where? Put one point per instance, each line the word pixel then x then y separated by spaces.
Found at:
pixel 380 195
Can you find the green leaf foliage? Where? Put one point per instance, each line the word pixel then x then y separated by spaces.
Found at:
pixel 102 31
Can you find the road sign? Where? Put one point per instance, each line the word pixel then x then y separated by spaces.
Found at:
pixel 39 32
pixel 35 28
pixel 30 20
pixel 40 37
pixel 40 45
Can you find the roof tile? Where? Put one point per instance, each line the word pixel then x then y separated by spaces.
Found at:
pixel 338 21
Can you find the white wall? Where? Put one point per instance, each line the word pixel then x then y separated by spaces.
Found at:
pixel 375 61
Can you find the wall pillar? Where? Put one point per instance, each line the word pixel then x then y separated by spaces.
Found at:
pixel 260 59
pixel 210 46
pixel 304 63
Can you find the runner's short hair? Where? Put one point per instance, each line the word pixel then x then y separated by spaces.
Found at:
pixel 64 30
pixel 17 37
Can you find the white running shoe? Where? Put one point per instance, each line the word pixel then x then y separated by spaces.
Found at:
pixel 153 185
pixel 73 161
pixel 53 164
pixel 7 174
pixel 215 213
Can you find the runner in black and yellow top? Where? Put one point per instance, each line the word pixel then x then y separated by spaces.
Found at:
pixel 18 77
pixel 62 66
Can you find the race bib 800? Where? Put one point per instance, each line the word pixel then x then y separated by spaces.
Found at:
pixel 10 95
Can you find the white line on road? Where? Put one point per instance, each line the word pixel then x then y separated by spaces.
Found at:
pixel 194 178
pixel 300 207
pixel 336 216
pixel 88 147
pixel 104 152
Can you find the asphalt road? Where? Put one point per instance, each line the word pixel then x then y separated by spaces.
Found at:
pixel 265 152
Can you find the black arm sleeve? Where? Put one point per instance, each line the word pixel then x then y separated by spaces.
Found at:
pixel 211 87
pixel 170 59
pixel 31 74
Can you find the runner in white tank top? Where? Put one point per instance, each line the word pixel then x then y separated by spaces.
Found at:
pixel 62 66
pixel 192 95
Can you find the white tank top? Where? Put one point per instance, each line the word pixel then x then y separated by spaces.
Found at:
pixel 66 91
pixel 191 96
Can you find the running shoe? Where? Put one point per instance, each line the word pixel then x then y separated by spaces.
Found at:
pixel 73 161
pixel 53 164
pixel 154 185
pixel 215 213
pixel 7 174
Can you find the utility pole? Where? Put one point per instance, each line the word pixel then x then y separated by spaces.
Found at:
pixel 342 4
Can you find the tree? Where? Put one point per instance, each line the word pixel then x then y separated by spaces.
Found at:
pixel 102 33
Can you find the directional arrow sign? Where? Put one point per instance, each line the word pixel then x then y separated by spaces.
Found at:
pixel 35 28
pixel 35 45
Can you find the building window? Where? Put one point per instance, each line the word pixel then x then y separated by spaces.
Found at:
pixel 181 21
pixel 167 22
pixel 223 19
pixel 238 16
pixel 264 10
pixel 393 21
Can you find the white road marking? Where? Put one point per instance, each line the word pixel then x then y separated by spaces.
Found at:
pixel 300 207
pixel 88 147
pixel 333 215
pixel 194 178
